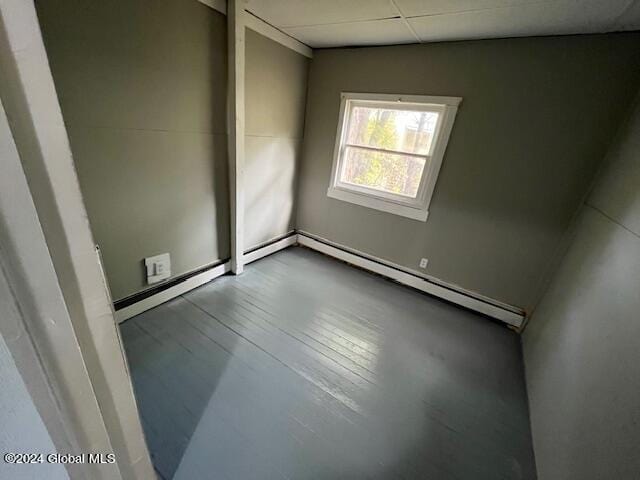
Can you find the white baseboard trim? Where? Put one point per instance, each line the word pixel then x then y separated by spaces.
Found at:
pixel 200 279
pixel 171 292
pixel 362 260
pixel 261 252
pixel 378 266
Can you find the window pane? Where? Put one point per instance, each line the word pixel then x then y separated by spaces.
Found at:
pixel 401 130
pixel 389 172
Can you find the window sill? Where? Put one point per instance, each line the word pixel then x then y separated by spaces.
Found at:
pixel 382 205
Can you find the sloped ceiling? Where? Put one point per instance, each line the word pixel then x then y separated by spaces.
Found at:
pixel 335 23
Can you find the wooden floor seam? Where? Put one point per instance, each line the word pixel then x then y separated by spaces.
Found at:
pixel 306 368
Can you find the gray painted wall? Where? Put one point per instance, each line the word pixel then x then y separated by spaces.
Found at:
pixel 535 122
pixel 276 88
pixel 581 346
pixel 21 427
pixel 142 85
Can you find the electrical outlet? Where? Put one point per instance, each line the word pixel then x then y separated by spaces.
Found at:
pixel 424 262
pixel 158 268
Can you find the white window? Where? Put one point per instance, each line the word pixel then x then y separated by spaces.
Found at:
pixel 389 149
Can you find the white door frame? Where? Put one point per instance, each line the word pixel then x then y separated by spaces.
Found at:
pixel 36 325
pixel 63 333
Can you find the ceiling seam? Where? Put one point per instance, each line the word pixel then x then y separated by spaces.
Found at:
pixel 487 9
pixel 625 10
pixel 278 29
pixel 406 22
pixel 614 21
pixel 395 17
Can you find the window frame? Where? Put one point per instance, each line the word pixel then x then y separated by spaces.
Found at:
pixel 416 208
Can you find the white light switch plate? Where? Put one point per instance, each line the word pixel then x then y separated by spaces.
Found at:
pixel 158 268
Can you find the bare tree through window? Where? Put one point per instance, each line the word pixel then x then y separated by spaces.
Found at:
pixel 386 149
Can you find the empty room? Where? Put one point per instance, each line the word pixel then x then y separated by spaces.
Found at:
pixel 320 239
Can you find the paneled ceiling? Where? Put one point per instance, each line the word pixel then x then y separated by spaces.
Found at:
pixel 336 23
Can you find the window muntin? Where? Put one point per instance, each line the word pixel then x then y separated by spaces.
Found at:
pixel 407 131
pixel 389 172
pixel 389 150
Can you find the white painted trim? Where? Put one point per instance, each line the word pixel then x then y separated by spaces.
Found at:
pixel 32 106
pixel 376 203
pixel 263 28
pixel 381 267
pixel 172 292
pixel 200 279
pixel 236 122
pixel 398 97
pixel 498 310
pixel 36 325
pixel 415 208
pixel 429 278
pixel 261 252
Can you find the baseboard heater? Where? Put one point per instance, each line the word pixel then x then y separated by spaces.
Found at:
pixel 140 302
pixel 505 313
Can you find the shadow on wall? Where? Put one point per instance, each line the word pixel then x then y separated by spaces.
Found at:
pixel 269 197
pixel 581 346
pixel 581 357
pixel 147 128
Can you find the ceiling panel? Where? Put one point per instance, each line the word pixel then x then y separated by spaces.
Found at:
pixel 387 32
pixel 630 20
pixel 414 8
pixel 288 13
pixel 561 17
pixel 334 23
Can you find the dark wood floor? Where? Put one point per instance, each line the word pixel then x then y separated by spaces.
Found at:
pixel 306 368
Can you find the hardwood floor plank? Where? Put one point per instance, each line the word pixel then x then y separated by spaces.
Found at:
pixel 304 367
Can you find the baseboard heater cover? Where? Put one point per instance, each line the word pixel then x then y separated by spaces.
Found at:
pixel 138 303
pixel 270 247
pixel 506 314
pixel 172 291
pixel 366 262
